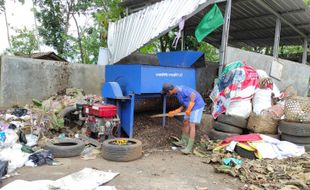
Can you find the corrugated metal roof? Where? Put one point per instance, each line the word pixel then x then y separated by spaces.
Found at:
pixel 253 25
pixel 134 31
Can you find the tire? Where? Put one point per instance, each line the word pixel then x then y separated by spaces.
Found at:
pixel 218 135
pixel 295 129
pixel 122 153
pixel 227 128
pixel 64 148
pixel 66 111
pixel 233 120
pixel 295 139
pixel 245 153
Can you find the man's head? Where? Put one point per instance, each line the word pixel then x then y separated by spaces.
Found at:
pixel 168 88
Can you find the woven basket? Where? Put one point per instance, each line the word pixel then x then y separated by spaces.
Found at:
pixel 297 109
pixel 262 124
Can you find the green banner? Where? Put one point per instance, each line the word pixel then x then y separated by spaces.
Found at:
pixel 211 21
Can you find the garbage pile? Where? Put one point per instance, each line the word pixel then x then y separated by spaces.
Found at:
pixel 25 132
pixel 246 100
pixel 289 173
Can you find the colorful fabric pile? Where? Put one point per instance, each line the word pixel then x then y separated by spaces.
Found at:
pixel 238 81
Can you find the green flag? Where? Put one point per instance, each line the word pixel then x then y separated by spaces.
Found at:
pixel 211 21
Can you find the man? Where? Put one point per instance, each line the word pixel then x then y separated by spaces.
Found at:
pixel 194 104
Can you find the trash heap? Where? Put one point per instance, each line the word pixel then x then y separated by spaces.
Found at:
pixel 24 132
pixel 286 174
pixel 246 100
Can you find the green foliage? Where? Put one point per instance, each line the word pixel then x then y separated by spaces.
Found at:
pixel 54 16
pixel 53 26
pixel 23 43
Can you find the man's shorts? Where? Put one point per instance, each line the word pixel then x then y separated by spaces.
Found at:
pixel 195 116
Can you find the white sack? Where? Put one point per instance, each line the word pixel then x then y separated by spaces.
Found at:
pixel 241 108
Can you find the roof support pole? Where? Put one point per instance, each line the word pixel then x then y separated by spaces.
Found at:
pixel 305 54
pixel 225 35
pixel 182 40
pixel 277 38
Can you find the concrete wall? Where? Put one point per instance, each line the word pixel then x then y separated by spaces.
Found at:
pixel 22 79
pixel 295 74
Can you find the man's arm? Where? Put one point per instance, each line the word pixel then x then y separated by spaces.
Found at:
pixel 191 104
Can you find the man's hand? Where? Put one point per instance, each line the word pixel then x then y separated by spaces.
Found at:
pixel 174 112
pixel 171 114
pixel 189 108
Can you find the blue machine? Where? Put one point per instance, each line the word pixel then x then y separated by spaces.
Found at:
pixel 125 83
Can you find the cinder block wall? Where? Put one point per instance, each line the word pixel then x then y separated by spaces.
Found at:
pixel 22 79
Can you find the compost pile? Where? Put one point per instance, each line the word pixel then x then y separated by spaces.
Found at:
pixel 151 132
pixel 285 174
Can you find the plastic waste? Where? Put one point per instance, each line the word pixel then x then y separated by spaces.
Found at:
pixel 89 153
pixel 19 112
pixel 2 137
pixel 15 156
pixel 42 157
pixel 241 108
pixel 12 126
pixel 3 168
pixel 10 138
pixel 31 139
pixel 232 162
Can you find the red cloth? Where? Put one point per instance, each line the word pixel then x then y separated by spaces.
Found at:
pixel 242 138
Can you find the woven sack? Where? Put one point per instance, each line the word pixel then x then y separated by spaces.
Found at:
pixel 297 109
pixel 262 124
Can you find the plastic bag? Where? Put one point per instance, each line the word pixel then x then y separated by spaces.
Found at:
pixel 89 153
pixel 19 112
pixel 3 168
pixel 42 157
pixel 262 100
pixel 240 108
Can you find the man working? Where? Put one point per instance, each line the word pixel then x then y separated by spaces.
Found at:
pixel 194 104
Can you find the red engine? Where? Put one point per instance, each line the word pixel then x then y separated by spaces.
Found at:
pixel 101 120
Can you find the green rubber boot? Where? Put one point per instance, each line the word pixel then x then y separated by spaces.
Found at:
pixel 182 142
pixel 189 147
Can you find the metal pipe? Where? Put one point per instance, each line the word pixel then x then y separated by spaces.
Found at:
pixel 277 39
pixel 305 54
pixel 225 36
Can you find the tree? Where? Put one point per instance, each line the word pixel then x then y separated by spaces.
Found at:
pixel 24 43
pixel 54 16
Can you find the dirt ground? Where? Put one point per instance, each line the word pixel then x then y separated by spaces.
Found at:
pixel 159 168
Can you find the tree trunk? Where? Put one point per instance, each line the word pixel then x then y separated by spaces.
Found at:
pixel 79 38
pixel 7 27
pixel 67 24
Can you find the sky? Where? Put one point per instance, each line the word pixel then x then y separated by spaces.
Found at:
pixel 20 15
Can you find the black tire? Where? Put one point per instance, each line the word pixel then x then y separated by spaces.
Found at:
pixel 233 120
pixel 295 139
pixel 295 129
pixel 245 153
pixel 218 135
pixel 64 148
pixel 122 153
pixel 66 111
pixel 227 128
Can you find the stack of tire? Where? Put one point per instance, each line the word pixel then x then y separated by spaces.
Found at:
pixel 297 133
pixel 227 126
